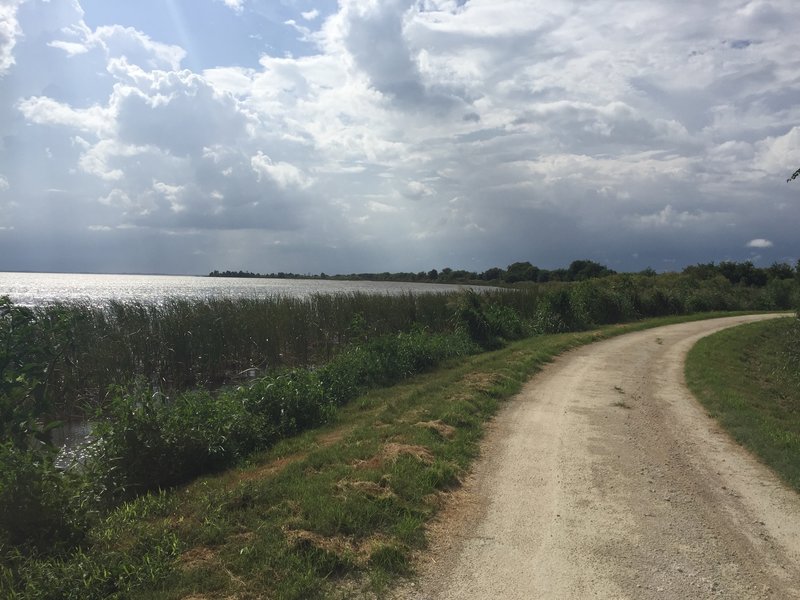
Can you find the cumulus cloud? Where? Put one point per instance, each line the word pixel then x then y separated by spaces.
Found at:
pixel 406 134
pixel 284 174
pixel 46 111
pixel 117 41
pixel 9 32
pixel 391 65
pixel 759 243
pixel 236 5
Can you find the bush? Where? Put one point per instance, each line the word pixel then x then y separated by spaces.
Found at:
pixel 148 441
pixel 558 313
pixel 779 294
pixel 42 509
pixel 486 323
pixel 285 404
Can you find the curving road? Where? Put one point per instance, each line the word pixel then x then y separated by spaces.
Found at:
pixel 605 478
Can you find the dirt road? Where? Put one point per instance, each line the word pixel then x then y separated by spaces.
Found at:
pixel 604 478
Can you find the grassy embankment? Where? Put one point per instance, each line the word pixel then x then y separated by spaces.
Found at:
pixel 333 511
pixel 748 378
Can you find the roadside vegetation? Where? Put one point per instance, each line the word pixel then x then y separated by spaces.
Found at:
pixel 200 478
pixel 748 378
pixel 333 511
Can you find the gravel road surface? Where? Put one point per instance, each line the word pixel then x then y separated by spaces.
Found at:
pixel 605 478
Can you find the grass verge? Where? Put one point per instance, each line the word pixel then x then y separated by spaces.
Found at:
pixel 748 378
pixel 334 512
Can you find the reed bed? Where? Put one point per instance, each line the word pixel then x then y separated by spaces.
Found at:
pixel 181 344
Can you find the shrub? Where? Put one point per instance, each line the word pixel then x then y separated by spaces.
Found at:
pixel 779 294
pixel 146 441
pixel 42 509
pixel 285 404
pixel 487 323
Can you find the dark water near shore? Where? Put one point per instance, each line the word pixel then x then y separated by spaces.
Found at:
pixel 71 438
pixel 32 289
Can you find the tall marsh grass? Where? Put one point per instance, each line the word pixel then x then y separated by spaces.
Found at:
pixel 180 344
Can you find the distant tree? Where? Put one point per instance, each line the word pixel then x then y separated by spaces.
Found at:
pixel 744 273
pixel 462 275
pixel 580 270
pixel 780 271
pixel 493 274
pixel 702 271
pixel 521 271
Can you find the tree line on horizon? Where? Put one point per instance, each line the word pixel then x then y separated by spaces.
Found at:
pixel 578 270
pixel 738 273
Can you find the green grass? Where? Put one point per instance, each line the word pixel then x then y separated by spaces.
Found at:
pixel 748 378
pixel 334 511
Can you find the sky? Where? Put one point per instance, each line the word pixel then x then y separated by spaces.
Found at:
pixel 183 136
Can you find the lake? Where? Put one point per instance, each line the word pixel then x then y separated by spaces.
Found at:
pixel 31 289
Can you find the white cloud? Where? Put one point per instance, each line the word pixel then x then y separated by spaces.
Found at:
pixel 172 193
pixel 71 48
pixel 9 32
pixel 116 197
pixel 416 190
pixel 380 207
pixel 46 111
pixel 779 155
pixel 759 243
pixel 4 185
pixel 116 41
pixel 236 5
pixel 106 158
pixel 284 174
pixel 310 15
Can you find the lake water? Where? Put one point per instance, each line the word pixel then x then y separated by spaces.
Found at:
pixel 30 289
